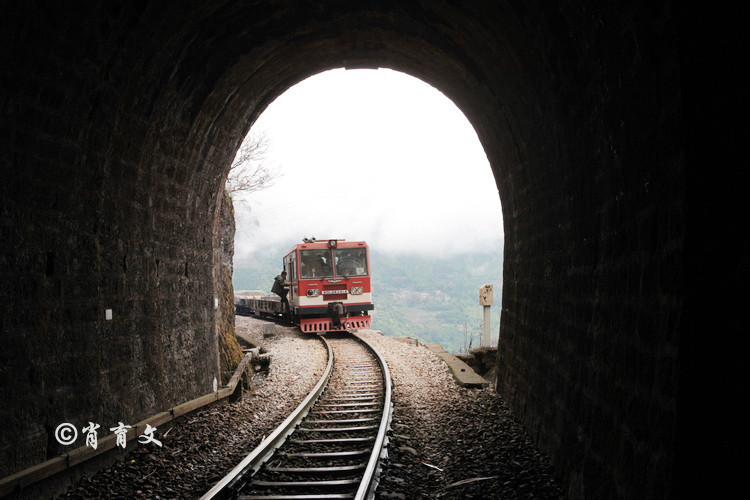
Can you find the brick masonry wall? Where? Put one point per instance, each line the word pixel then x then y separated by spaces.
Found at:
pixel 593 285
pixel 229 348
pixel 102 208
pixel 118 121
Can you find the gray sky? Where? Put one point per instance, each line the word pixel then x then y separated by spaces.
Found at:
pixel 371 155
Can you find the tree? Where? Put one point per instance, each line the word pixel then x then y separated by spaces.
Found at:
pixel 249 172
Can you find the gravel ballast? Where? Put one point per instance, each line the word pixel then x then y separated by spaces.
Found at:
pixel 452 442
pixel 446 441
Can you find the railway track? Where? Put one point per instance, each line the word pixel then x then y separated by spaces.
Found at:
pixel 331 445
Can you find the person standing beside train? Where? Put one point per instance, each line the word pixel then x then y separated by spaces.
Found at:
pixel 281 288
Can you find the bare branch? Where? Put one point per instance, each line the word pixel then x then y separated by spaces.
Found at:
pixel 249 172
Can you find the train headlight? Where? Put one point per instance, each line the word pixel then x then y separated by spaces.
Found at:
pixel 357 290
pixel 313 292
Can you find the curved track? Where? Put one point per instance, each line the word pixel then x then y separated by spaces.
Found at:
pixel 330 447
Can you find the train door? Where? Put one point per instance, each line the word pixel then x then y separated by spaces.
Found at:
pixel 290 266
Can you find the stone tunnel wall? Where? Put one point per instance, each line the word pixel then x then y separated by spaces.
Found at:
pixel 229 348
pixel 103 208
pixel 118 121
pixel 592 286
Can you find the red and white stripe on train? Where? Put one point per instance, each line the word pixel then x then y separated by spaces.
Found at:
pixel 329 286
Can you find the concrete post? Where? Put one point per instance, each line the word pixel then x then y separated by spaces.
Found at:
pixel 485 299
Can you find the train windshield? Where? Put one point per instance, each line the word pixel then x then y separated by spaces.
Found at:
pixel 350 261
pixel 315 263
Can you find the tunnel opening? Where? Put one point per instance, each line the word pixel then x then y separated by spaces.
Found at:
pixel 118 127
pixel 382 157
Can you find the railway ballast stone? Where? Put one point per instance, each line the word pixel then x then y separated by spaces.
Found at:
pixel 446 441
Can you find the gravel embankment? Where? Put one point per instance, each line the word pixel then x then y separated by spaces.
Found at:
pixel 450 442
pixel 200 448
pixel 447 442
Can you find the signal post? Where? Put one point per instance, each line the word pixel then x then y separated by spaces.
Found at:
pixel 486 299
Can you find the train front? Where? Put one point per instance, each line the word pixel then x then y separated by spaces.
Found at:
pixel 330 285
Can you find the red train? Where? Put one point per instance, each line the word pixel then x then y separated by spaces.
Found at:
pixel 329 287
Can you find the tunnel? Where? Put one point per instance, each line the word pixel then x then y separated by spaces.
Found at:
pixel 606 127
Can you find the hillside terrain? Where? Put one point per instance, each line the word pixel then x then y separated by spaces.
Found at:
pixel 433 299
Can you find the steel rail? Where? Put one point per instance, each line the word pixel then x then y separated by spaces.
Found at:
pixel 370 478
pixel 265 449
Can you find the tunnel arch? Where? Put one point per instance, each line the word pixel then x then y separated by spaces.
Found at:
pixel 121 120
pixel 289 76
pixel 552 238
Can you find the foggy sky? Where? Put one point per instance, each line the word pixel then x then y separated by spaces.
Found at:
pixel 371 155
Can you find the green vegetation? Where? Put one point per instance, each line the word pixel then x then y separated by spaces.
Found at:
pixel 433 299
pixel 258 273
